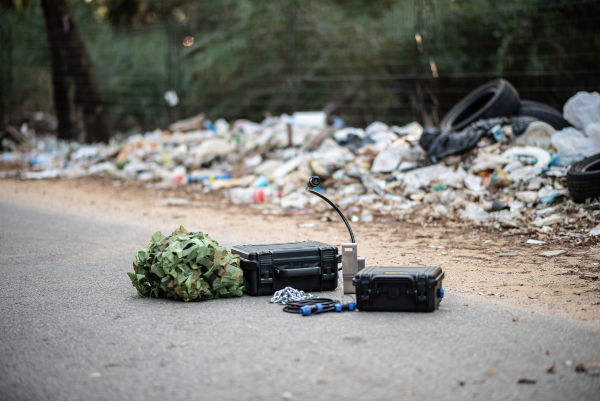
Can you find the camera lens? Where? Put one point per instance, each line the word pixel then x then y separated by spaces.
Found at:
pixel 314 181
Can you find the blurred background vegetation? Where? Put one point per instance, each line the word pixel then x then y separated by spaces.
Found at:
pixel 363 60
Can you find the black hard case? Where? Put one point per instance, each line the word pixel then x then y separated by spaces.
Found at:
pixel 408 289
pixel 306 266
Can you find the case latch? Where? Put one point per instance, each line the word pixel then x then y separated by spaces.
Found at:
pixel 265 272
pixel 363 288
pixel 421 291
pixel 329 262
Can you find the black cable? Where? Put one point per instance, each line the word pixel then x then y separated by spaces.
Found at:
pixel 314 182
pixel 294 307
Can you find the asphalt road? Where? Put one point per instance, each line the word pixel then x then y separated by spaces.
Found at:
pixel 73 328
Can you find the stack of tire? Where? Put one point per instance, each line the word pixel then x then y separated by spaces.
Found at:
pixel 499 98
pixel 583 179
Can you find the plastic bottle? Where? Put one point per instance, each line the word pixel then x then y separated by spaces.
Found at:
pixel 178 174
pixel 253 195
pixel 210 177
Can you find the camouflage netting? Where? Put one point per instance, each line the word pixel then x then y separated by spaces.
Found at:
pixel 188 266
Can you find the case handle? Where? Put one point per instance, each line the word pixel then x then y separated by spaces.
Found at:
pixel 301 272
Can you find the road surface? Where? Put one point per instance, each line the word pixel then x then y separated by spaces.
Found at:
pixel 72 327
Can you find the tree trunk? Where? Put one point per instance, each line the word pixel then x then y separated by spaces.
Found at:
pixel 74 57
pixel 62 106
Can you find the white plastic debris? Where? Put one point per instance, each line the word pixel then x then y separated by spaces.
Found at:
pixel 488 161
pixel 389 159
pixel 571 141
pixel 553 253
pixel 309 119
pixel 40 175
pixel 453 178
pixel 372 172
pixel 413 180
pixel 375 127
pixel 548 194
pixel 440 210
pixel 527 196
pixel 288 167
pixel 548 221
pixel 344 134
pixel 171 98
pixel 209 149
pixel 473 211
pixel 222 127
pixel 538 134
pixel 85 152
pixel 583 109
pixel 473 183
pixel 253 195
pixel 411 131
pixel 101 168
pixel 523 174
pixel 332 155
pixel 295 200
pixel 529 155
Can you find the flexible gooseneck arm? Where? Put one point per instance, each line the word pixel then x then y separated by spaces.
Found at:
pixel 314 182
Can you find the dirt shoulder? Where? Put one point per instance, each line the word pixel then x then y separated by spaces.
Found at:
pixel 480 263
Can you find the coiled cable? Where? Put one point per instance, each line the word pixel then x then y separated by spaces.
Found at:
pixel 327 305
pixel 307 307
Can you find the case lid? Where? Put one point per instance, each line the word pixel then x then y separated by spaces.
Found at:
pixel 385 272
pixel 251 251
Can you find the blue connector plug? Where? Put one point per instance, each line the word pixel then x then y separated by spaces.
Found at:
pixel 307 310
pixel 441 293
pixel 350 306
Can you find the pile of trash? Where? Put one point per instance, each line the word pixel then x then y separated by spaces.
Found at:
pixel 501 171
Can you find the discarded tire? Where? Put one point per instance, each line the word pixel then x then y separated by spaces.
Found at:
pixel 583 179
pixel 494 99
pixel 544 113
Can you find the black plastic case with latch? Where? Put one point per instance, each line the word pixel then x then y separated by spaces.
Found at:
pixel 306 266
pixel 408 289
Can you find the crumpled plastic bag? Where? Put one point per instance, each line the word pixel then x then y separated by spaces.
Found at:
pixel 419 178
pixel 389 159
pixel 582 110
pixel 448 143
pixel 473 211
pixel 188 266
pixel 570 141
pixel 538 134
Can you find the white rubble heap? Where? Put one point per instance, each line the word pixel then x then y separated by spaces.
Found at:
pixel 372 173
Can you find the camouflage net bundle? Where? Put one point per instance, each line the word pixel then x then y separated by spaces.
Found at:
pixel 188 266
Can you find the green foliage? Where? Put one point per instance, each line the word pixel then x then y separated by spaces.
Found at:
pixel 360 58
pixel 25 64
pixel 281 56
pixel 186 266
pixel 130 66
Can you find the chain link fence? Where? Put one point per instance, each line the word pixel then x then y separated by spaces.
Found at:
pixel 360 60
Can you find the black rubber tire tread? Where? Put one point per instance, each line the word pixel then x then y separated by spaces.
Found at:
pixel 583 179
pixel 496 98
pixel 543 112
